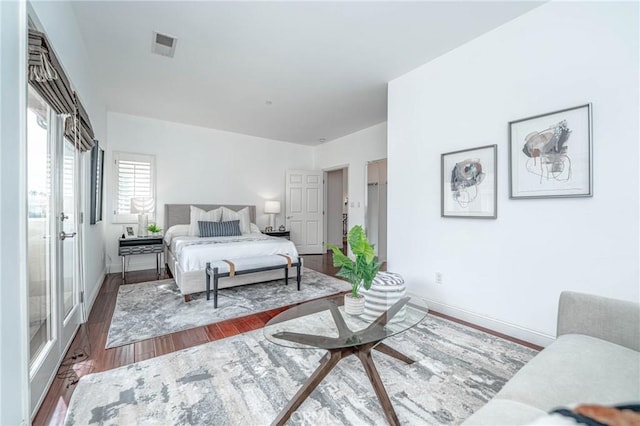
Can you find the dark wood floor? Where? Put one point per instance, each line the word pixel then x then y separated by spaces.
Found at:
pixel 87 353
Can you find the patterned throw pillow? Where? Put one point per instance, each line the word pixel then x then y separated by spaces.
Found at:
pixel 219 229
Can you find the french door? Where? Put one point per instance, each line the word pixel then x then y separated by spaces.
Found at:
pixel 52 243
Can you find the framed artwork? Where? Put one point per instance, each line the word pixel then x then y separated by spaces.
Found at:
pixel 469 183
pixel 550 155
pixel 97 183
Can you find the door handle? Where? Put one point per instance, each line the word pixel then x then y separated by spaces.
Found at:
pixel 63 235
pixel 63 217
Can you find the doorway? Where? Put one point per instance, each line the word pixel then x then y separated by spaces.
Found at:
pixel 53 199
pixel 376 213
pixel 336 212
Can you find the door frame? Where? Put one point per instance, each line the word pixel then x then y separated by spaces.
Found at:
pixel 325 195
pixel 366 188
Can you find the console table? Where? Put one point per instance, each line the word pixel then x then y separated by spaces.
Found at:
pixel 141 245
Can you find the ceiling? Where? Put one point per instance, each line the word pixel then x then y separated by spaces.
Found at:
pixel 324 66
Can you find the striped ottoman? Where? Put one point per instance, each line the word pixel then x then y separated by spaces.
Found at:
pixel 386 289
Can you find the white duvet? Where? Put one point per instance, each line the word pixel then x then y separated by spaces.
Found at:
pixel 193 253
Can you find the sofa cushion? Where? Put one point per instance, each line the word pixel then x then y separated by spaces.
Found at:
pixel 577 369
pixel 504 412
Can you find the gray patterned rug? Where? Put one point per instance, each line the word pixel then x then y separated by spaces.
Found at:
pixel 156 308
pixel 246 380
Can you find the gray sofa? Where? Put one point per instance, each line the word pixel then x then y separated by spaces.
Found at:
pixel 595 359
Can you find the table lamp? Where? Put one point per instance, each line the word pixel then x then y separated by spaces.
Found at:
pixel 142 207
pixel 272 208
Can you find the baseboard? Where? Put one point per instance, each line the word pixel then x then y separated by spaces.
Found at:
pixel 92 298
pixel 499 326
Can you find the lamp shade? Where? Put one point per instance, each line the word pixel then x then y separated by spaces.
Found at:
pixel 141 205
pixel 272 207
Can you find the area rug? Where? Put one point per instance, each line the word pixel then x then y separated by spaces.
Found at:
pixel 247 380
pixel 157 308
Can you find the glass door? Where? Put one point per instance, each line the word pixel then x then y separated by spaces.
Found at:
pixel 52 245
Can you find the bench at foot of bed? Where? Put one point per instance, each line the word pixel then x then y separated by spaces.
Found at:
pixel 248 265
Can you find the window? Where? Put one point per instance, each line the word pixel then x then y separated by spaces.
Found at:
pixel 134 183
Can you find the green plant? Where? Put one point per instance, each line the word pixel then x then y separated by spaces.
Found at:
pixel 153 228
pixel 362 270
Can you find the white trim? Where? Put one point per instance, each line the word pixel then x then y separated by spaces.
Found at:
pixel 89 301
pixel 55 373
pixel 493 324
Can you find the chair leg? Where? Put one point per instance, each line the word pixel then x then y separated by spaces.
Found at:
pixel 187 298
pixel 298 277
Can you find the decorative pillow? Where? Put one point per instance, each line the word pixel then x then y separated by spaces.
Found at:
pixel 198 214
pixel 176 231
pixel 592 415
pixel 219 229
pixel 242 215
pixel 254 228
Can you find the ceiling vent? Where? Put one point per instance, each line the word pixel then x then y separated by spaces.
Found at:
pixel 163 44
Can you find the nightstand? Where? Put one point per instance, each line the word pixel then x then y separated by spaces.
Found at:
pixel 141 245
pixel 284 234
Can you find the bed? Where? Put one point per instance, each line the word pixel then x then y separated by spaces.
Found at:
pixel 186 256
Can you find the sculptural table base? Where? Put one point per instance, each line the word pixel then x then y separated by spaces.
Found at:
pixel 330 360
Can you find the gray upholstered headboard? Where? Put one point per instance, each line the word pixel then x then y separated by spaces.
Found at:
pixel 180 214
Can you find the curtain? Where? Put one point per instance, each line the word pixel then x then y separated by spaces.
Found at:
pixel 47 77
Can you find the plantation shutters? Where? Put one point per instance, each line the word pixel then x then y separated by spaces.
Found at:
pixel 134 180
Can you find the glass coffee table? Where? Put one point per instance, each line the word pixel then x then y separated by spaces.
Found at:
pixel 323 324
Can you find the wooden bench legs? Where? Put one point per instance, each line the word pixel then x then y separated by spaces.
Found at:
pixel 213 273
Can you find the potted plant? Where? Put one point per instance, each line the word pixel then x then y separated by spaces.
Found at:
pixel 153 228
pixel 359 272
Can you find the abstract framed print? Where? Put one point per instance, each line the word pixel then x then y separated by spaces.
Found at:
pixel 469 183
pixel 550 155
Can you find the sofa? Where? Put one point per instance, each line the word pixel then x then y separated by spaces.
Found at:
pixel 595 359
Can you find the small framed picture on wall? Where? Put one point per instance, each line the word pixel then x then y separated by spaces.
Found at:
pixel 469 183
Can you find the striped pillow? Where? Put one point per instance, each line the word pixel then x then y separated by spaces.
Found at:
pixel 219 229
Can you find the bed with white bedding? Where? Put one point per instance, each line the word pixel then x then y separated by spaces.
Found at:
pixel 187 254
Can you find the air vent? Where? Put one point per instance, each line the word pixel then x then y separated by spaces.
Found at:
pixel 163 44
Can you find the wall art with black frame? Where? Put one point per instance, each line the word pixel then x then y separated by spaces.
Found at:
pixel 97 183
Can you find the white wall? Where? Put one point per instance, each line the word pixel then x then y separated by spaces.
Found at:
pixel 59 22
pixel 13 294
pixel 200 165
pixel 354 151
pixel 509 272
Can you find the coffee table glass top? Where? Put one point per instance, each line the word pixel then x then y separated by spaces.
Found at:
pixel 324 324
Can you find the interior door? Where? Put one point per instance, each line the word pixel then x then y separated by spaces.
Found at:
pixel 304 210
pixel 52 243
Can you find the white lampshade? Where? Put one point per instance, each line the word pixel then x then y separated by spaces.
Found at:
pixel 272 207
pixel 141 205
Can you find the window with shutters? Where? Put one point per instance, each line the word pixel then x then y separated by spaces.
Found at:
pixel 135 187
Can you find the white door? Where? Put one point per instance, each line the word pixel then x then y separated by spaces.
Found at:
pixel 303 211
pixel 52 244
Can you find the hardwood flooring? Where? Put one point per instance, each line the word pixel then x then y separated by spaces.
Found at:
pixel 87 353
